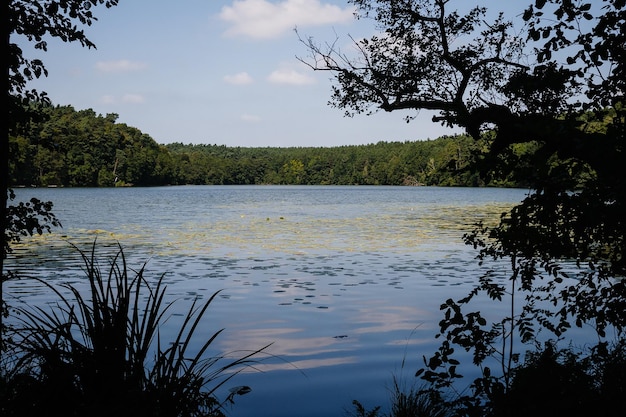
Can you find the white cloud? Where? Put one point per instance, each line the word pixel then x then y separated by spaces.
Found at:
pixel 290 76
pixel 250 118
pixel 263 19
pixel 122 65
pixel 239 78
pixel 132 98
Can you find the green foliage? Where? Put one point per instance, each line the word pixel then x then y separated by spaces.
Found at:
pixel 104 355
pixel 80 148
pixel 445 161
pixel 38 21
pixel 26 219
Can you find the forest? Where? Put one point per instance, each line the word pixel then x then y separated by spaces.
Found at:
pixel 79 148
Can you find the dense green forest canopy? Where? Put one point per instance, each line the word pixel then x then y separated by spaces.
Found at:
pixel 81 148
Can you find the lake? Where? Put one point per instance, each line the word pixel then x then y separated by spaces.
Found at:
pixel 345 282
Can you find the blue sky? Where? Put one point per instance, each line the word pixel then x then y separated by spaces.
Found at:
pixel 219 72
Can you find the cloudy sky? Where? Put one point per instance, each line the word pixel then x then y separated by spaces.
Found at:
pixel 219 72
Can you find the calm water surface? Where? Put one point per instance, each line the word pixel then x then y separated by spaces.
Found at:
pixel 345 282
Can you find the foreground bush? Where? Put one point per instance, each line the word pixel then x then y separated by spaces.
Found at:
pixel 549 382
pixel 103 355
pixel 409 401
pixel 563 382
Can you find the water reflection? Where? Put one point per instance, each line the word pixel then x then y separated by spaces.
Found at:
pixel 342 282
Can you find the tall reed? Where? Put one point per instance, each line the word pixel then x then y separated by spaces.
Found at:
pixel 101 353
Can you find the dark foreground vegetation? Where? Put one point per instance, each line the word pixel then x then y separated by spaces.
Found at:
pixel 99 352
pixel 542 105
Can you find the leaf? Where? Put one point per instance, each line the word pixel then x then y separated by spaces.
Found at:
pixel 534 34
pixel 528 13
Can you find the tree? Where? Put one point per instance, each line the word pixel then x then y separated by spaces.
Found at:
pixel 479 76
pixel 60 149
pixel 547 91
pixel 36 21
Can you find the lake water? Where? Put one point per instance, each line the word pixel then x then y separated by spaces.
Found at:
pixel 345 282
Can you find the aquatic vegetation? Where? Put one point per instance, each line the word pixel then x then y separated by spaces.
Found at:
pixel 104 355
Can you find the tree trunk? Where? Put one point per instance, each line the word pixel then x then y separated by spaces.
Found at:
pixel 4 151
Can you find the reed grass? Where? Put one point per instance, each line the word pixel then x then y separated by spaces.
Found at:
pixel 416 401
pixel 405 401
pixel 101 353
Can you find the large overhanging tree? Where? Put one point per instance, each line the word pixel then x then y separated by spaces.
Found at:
pixel 482 75
pixel 552 82
pixel 36 21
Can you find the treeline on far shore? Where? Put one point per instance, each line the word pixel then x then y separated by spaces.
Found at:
pixel 70 148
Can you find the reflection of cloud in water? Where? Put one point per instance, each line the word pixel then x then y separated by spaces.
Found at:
pixel 290 350
pixel 286 341
pixel 400 318
pixel 293 348
pixel 302 365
